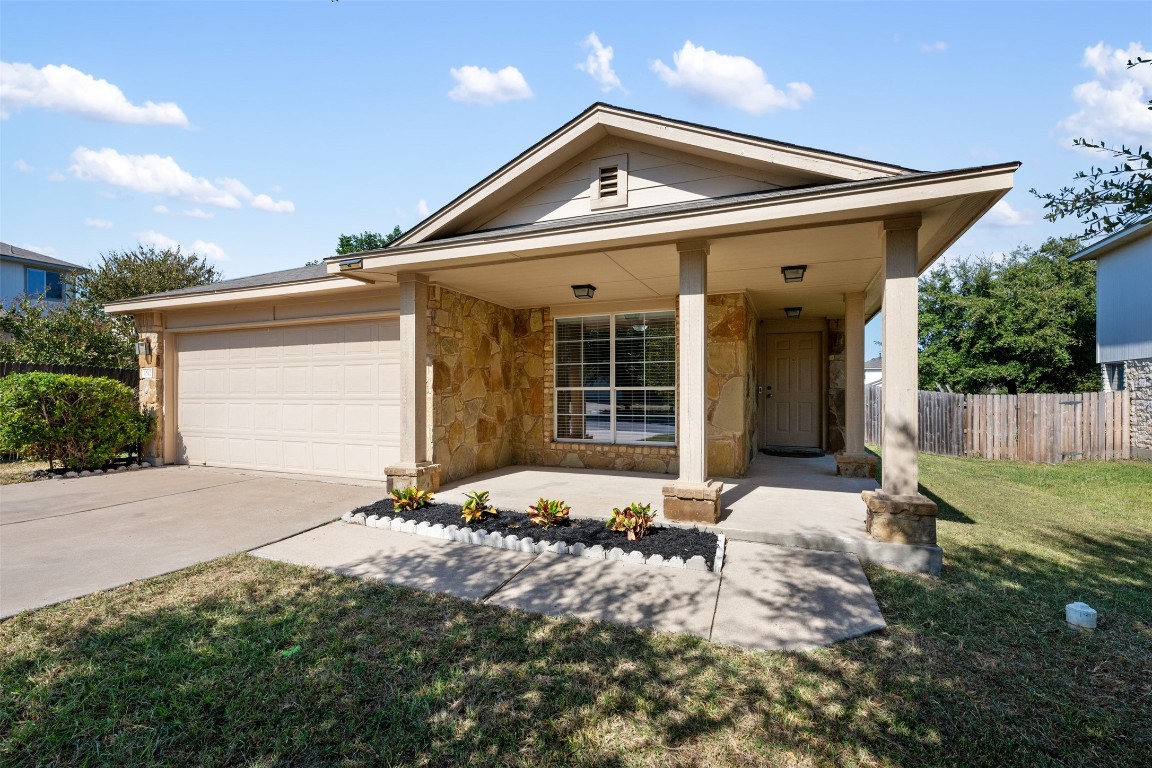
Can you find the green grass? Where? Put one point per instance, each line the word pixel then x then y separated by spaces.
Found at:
pixel 976 667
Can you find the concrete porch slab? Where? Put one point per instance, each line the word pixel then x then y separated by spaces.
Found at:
pixel 402 559
pixel 781 598
pixel 621 593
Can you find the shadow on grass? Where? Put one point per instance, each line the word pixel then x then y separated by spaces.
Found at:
pixel 255 662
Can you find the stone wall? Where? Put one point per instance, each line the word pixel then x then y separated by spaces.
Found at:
pixel 1138 380
pixel 730 384
pixel 531 377
pixel 837 379
pixel 150 328
pixel 472 351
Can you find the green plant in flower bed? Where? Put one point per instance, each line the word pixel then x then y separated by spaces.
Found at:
pixel 476 507
pixel 634 520
pixel 407 499
pixel 548 512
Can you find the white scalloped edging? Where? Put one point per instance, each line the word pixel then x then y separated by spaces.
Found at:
pixel 527 544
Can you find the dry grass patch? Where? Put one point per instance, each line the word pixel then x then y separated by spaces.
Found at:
pixel 12 472
pixel 244 661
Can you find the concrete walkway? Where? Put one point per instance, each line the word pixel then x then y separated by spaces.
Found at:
pixel 768 598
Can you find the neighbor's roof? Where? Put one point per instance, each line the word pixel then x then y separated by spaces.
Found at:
pixel 282 277
pixel 873 365
pixel 15 253
pixel 1130 233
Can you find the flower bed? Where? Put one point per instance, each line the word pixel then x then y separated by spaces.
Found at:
pixel 587 537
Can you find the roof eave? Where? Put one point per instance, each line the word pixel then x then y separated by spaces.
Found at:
pixel 1115 240
pixel 249 293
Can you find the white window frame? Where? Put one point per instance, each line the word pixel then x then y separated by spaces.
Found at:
pixel 612 389
pixel 44 283
pixel 618 200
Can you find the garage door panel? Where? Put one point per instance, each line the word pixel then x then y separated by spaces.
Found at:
pixel 322 399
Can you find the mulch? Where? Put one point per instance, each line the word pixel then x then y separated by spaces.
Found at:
pixel 660 540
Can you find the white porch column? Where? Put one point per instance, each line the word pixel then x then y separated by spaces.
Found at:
pixel 693 406
pixel 693 497
pixel 414 467
pixel 897 513
pixel 854 461
pixel 900 356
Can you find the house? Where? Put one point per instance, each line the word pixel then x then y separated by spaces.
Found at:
pixel 25 272
pixel 630 293
pixel 873 371
pixel 1124 321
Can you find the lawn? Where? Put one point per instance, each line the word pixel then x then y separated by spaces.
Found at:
pixel 248 662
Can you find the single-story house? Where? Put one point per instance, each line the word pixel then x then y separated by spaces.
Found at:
pixel 24 272
pixel 873 371
pixel 630 293
pixel 1124 322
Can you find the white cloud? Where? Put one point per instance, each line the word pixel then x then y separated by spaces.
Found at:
pixel 937 47
pixel 45 250
pixel 1004 215
pixel 1114 106
pixel 163 176
pixel 64 89
pixel 599 63
pixel 477 85
pixel 200 247
pixel 56 176
pixel 422 209
pixel 160 209
pixel 22 166
pixel 97 223
pixel 194 213
pixel 732 80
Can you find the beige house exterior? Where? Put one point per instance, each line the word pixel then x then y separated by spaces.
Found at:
pixel 462 347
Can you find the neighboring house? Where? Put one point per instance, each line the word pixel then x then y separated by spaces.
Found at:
pixel 630 293
pixel 24 272
pixel 873 371
pixel 1124 321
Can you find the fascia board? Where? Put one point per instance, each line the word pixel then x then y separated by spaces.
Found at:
pixel 232 296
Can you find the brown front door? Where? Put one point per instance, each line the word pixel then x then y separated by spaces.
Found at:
pixel 789 390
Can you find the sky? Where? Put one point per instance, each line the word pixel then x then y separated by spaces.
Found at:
pixel 256 133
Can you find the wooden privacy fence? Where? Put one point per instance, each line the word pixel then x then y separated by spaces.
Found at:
pixel 129 376
pixel 1029 427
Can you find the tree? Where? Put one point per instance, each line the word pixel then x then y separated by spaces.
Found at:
pixel 1106 199
pixel 365 241
pixel 1026 323
pixel 79 332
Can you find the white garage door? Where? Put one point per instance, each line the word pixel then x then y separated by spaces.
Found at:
pixel 320 399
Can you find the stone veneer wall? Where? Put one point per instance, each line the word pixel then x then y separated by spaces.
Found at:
pixel 150 328
pixel 473 402
pixel 731 384
pixel 1138 379
pixel 837 379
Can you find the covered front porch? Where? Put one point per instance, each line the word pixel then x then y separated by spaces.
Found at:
pixel 795 502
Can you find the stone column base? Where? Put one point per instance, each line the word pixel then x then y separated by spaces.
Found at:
pixel 693 502
pixel 425 476
pixel 856 465
pixel 901 519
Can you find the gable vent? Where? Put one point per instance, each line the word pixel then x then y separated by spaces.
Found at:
pixel 609 179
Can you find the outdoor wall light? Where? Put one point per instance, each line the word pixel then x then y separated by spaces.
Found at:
pixel 792 311
pixel 144 348
pixel 585 291
pixel 349 264
pixel 793 274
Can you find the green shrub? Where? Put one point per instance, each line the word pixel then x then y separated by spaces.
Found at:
pixel 409 498
pixel 82 422
pixel 635 520
pixel 548 512
pixel 476 507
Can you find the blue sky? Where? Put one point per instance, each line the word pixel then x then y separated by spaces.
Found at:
pixel 256 133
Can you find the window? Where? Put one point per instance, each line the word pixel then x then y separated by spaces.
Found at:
pixel 1113 377
pixel 41 282
pixel 609 182
pixel 616 378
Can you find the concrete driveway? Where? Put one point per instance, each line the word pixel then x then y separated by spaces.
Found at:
pixel 66 538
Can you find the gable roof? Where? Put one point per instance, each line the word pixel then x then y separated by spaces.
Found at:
pixel 601 120
pixel 1103 247
pixel 16 253
pixel 280 277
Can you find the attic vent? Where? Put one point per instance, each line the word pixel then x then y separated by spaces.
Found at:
pixel 608 180
pixel 609 177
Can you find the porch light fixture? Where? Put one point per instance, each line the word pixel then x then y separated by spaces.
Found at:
pixel 144 348
pixel 792 311
pixel 350 264
pixel 585 291
pixel 793 274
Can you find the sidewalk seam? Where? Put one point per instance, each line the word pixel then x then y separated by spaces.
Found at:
pixel 504 583
pixel 715 607
pixel 125 503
